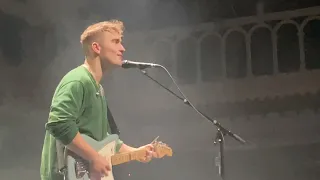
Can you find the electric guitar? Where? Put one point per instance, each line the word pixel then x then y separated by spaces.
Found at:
pixel 78 168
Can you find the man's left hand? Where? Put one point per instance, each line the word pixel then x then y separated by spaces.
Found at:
pixel 150 153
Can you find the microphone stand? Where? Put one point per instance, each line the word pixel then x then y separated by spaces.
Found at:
pixel 221 131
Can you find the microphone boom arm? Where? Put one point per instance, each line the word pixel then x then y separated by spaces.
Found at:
pixel 221 131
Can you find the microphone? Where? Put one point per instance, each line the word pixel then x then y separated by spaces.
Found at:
pixel 141 65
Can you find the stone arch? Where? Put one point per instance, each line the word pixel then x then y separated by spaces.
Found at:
pixel 262 25
pixel 311 42
pixel 306 21
pixel 210 53
pixel 186 55
pixel 288 48
pixel 279 25
pixel 237 29
pixel 235 53
pixel 261 49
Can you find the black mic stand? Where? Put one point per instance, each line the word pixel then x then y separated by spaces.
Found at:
pixel 221 131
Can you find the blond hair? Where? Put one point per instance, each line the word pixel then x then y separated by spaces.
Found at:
pixel 92 31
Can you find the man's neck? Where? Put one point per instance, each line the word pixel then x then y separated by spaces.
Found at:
pixel 94 67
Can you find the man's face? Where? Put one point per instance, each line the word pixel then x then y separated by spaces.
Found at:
pixel 110 49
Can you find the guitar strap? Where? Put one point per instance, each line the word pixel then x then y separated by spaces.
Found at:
pixel 113 126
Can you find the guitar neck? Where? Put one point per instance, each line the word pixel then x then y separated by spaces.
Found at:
pixel 126 157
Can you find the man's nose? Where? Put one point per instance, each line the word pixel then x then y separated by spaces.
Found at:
pixel 122 49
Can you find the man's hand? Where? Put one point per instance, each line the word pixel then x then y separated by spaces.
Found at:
pixel 99 168
pixel 150 153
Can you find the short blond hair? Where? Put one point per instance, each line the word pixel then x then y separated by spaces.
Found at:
pixel 93 30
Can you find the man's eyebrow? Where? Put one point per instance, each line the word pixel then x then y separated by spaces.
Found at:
pixel 117 39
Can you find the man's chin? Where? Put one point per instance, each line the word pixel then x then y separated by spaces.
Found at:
pixel 118 64
pixel 111 66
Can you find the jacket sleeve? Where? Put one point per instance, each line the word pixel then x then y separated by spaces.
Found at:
pixel 65 109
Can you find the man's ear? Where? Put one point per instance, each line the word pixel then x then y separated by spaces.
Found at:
pixel 96 47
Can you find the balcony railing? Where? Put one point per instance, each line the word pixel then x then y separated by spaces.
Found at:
pixel 282 42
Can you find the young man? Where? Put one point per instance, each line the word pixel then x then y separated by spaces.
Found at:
pixel 79 106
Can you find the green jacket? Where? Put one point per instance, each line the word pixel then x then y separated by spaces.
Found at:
pixel 78 105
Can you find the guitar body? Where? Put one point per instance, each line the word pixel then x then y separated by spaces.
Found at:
pixel 78 169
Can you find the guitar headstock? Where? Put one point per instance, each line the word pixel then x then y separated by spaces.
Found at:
pixel 162 149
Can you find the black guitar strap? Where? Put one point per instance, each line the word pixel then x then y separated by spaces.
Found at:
pixel 113 126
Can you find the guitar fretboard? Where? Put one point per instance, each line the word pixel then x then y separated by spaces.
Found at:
pixel 126 157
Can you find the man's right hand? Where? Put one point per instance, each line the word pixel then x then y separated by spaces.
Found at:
pixel 99 167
